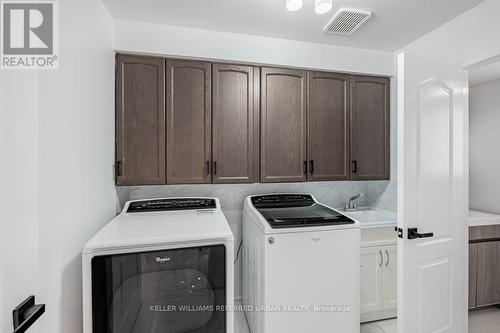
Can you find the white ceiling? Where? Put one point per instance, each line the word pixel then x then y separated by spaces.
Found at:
pixel 394 24
pixel 488 72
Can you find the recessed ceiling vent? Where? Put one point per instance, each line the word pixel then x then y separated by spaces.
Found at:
pixel 346 21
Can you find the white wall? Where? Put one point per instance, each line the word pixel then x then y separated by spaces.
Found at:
pixel 139 37
pixel 471 37
pixel 57 148
pixel 484 123
pixel 18 191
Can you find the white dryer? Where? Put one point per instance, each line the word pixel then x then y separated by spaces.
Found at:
pixel 301 268
pixel 162 265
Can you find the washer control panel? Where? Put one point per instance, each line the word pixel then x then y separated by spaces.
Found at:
pixel 154 205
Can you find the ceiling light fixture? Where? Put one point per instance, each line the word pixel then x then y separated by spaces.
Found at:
pixel 294 5
pixel 322 6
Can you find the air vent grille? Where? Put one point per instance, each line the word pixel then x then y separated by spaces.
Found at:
pixel 346 21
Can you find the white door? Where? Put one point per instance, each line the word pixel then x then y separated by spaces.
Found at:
pixel 432 196
pixel 372 260
pixel 390 276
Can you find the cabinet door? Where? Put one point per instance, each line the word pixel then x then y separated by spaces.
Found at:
pixel 372 261
pixel 140 120
pixel 488 273
pixel 390 276
pixel 328 126
pixel 369 128
pixel 188 122
pixel 283 125
pixel 234 123
pixel 472 275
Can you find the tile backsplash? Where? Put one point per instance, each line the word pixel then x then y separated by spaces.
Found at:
pixel 231 196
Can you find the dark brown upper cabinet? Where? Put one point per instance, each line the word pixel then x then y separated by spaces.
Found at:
pixel 188 122
pixel 283 125
pixel 197 122
pixel 235 148
pixel 140 120
pixel 369 126
pixel 328 115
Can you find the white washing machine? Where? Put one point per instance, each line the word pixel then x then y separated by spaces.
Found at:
pixel 162 265
pixel 300 266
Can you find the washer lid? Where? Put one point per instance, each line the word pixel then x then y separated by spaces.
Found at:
pixel 296 210
pixel 152 227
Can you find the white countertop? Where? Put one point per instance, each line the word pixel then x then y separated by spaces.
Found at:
pixel 377 217
pixel 478 218
pixel 373 217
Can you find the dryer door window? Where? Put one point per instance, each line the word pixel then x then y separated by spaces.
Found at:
pixel 171 291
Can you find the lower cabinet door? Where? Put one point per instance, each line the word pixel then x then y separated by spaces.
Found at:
pixel 472 275
pixel 488 273
pixel 390 277
pixel 372 261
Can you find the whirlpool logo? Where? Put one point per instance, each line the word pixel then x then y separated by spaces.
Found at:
pixel 29 33
pixel 162 260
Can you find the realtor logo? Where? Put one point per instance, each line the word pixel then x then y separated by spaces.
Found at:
pixel 29 33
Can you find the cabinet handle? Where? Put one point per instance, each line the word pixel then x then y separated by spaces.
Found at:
pixel 119 168
pixel 305 167
pixel 354 168
pixel 381 258
pixel 208 168
pixel 388 258
pixel 215 167
pixel 311 166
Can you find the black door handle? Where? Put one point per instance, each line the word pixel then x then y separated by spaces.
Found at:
pixel 311 166
pixel 413 234
pixel 305 167
pixel 26 313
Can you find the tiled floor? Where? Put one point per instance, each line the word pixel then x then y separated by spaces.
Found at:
pixel 482 321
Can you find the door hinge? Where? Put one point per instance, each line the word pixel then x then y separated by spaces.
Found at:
pixel 399 231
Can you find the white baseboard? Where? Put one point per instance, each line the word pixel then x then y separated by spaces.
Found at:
pixel 378 315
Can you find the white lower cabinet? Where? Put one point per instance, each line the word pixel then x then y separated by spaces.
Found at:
pixel 390 278
pixel 371 279
pixel 378 282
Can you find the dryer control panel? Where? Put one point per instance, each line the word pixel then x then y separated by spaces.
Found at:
pixel 153 205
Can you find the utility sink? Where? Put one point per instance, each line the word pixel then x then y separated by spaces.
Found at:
pixel 373 217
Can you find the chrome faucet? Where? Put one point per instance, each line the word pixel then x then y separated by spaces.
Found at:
pixel 352 204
